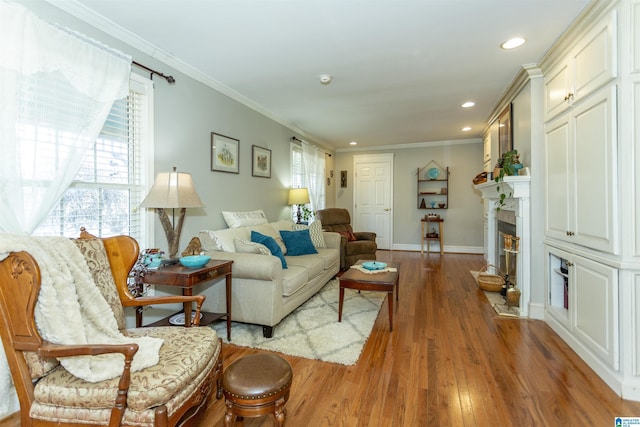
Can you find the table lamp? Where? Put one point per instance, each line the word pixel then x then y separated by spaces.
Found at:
pixel 172 190
pixel 298 196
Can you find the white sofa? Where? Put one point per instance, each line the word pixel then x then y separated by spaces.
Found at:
pixel 263 292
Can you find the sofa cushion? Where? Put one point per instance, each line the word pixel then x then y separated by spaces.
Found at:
pixel 315 230
pixel 247 247
pixel 241 219
pixel 298 242
pixel 271 244
pixel 312 263
pixel 294 279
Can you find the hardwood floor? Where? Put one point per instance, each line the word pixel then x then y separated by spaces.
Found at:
pixel 450 361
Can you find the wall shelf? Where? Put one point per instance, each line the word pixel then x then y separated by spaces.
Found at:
pixel 433 186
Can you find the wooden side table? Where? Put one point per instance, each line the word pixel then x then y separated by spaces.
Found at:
pixel 440 237
pixel 187 278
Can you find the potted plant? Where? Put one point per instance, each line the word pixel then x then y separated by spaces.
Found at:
pixel 508 164
pixel 307 214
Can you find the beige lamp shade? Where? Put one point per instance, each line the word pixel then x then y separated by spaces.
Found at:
pixel 172 190
pixel 298 196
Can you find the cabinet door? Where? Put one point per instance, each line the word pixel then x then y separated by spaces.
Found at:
pixel 557 172
pixel 557 87
pixel 594 192
pixel 595 303
pixel 595 59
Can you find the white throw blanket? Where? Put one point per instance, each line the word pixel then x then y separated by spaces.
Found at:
pixel 71 309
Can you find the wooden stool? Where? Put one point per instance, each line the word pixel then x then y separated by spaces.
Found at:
pixel 256 385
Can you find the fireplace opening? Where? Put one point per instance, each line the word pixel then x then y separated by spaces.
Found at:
pixel 505 224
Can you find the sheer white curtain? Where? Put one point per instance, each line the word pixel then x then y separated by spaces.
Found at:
pixel 56 86
pixel 313 160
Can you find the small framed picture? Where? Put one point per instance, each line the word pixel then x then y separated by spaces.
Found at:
pixel 261 162
pixel 225 153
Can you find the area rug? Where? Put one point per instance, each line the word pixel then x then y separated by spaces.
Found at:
pixel 312 331
pixel 497 301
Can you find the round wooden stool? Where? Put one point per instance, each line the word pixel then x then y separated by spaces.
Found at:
pixel 256 385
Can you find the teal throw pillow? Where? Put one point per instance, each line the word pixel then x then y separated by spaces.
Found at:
pixel 271 244
pixel 298 242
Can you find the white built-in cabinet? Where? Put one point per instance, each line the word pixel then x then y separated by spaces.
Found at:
pixel 591 204
pixel 581 173
pixel 583 298
pixel 591 64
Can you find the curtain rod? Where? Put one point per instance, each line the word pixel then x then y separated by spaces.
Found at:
pixel 295 138
pixel 169 79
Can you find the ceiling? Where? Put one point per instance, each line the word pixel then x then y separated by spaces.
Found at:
pixel 401 69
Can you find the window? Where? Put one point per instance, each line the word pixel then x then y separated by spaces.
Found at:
pixel 307 171
pixel 107 190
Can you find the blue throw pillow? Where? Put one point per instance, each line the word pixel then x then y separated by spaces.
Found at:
pixel 271 244
pixel 298 242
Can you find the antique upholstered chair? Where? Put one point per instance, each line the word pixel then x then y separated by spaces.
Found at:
pixel 169 393
pixel 354 245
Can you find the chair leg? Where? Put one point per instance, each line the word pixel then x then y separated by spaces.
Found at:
pixel 280 412
pixel 229 416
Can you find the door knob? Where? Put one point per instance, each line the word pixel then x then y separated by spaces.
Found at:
pixel 387 209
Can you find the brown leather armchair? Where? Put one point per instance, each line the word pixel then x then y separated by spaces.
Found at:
pixel 354 246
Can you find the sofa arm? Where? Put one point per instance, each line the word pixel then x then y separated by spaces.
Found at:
pixel 251 266
pixel 365 235
pixel 332 239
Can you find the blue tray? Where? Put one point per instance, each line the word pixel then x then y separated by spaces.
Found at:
pixel 374 265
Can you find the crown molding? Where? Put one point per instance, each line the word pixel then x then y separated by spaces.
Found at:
pixel 109 27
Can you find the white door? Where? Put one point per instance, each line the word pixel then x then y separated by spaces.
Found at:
pixel 373 198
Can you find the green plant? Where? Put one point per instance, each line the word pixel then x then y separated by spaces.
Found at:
pixel 507 166
pixel 307 213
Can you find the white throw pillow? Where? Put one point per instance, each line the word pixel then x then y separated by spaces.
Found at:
pixel 315 231
pixel 240 219
pixel 247 247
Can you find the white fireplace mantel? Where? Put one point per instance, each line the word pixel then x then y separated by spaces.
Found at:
pixel 517 186
pixel 518 191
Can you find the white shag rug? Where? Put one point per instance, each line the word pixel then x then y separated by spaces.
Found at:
pixel 312 330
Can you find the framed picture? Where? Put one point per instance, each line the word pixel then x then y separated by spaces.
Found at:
pixel 260 162
pixel 225 153
pixel 505 137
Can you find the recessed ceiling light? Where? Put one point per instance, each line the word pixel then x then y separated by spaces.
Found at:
pixel 468 104
pixel 353 143
pixel 466 129
pixel 513 43
pixel 325 79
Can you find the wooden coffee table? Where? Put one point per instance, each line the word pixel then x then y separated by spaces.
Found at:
pixel 386 281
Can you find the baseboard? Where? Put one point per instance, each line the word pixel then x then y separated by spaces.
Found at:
pixel 536 311
pixel 436 248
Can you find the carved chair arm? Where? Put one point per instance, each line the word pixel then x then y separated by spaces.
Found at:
pixel 128 350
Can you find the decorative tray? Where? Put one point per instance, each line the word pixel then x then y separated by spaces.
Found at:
pixel 374 265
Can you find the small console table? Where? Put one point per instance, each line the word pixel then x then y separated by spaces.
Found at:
pixel 187 278
pixel 440 237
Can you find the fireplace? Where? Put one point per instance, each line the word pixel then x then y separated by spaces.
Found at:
pixel 514 218
pixel 505 225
